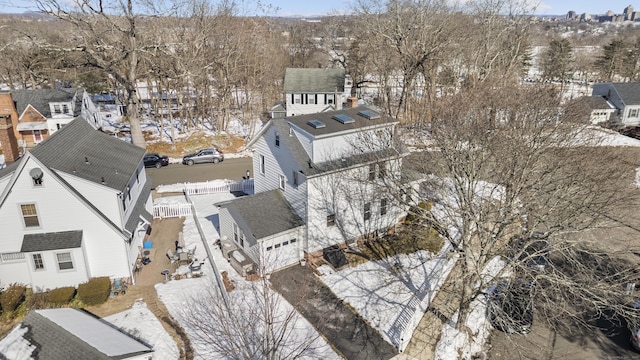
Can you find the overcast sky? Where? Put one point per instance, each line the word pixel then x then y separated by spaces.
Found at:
pixel 322 7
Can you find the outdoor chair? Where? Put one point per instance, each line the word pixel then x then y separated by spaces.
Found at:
pixel 172 257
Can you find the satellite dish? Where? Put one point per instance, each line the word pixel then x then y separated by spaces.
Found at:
pixel 36 173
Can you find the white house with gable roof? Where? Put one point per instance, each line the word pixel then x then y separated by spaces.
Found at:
pixel 76 206
pixel 320 180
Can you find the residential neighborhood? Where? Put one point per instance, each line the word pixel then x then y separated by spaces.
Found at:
pixel 399 180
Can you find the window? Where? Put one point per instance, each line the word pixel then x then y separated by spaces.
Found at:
pixel 285 243
pixel 296 99
pixel 277 246
pixel 37 136
pixel 235 232
pixel 38 264
pixel 383 206
pixel 331 220
pixel 241 238
pixel 64 261
pixel 262 164
pixel 282 182
pixel 269 248
pixel 407 195
pixel 56 109
pixel 633 112
pixel 372 172
pixel 278 140
pixel 292 241
pixel 312 99
pixel 295 178
pixel 16 256
pixel 328 100
pixel 382 170
pixel 65 108
pixel 367 211
pixel 30 215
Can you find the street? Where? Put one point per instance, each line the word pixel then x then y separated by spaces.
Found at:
pixel 232 169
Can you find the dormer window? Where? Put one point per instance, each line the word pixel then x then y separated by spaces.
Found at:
pixel 56 109
pixel 65 108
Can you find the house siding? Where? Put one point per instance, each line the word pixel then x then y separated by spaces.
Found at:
pixel 58 210
pixel 103 198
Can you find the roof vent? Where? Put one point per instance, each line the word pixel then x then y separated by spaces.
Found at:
pixel 369 115
pixel 86 160
pixel 36 173
pixel 102 180
pixel 316 124
pixel 343 118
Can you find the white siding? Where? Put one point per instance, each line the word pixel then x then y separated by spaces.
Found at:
pixel 102 197
pixel 51 277
pixel 59 210
pixel 344 194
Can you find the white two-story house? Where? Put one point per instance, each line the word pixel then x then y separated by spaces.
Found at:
pixel 625 97
pixel 320 180
pixel 74 207
pixel 36 114
pixel 309 91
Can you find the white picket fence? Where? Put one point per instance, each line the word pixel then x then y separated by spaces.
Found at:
pixel 218 187
pixel 161 211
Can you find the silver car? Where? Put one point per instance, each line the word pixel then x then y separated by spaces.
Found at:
pixel 209 155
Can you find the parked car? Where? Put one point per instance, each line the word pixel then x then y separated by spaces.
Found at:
pixel 155 160
pixel 510 307
pixel 634 326
pixel 209 155
pixel 531 252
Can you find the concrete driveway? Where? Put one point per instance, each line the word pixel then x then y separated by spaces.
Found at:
pixel 349 334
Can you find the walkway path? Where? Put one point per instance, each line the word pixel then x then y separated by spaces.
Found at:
pixel 349 334
pixel 443 306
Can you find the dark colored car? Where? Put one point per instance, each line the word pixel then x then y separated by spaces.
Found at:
pixel 510 307
pixel 155 160
pixel 532 252
pixel 209 155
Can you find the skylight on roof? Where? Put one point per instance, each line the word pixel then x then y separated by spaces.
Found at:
pixel 368 114
pixel 344 119
pixel 316 124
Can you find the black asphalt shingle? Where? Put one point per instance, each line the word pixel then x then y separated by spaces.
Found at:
pixel 80 150
pixel 51 241
pixel 40 99
pixel 629 92
pixel 266 213
pixel 313 80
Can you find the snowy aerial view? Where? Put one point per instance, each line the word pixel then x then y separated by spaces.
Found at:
pixel 417 179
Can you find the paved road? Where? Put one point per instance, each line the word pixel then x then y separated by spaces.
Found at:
pixel 233 169
pixel 345 330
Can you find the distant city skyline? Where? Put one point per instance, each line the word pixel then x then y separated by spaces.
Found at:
pixel 324 7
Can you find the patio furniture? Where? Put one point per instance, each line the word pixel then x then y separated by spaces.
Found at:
pixel 172 256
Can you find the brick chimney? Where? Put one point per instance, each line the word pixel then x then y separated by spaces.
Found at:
pixel 352 102
pixel 8 140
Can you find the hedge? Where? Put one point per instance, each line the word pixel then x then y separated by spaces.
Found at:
pixel 94 292
pixel 11 298
pixel 60 296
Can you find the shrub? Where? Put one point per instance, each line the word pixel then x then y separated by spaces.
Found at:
pixel 60 296
pixel 94 292
pixel 11 298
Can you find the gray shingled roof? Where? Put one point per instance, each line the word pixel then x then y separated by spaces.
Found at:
pixel 51 241
pixel 629 92
pixel 80 150
pixel 333 126
pixel 313 80
pixel 40 99
pixel 266 213
pixel 139 209
pixel 55 339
